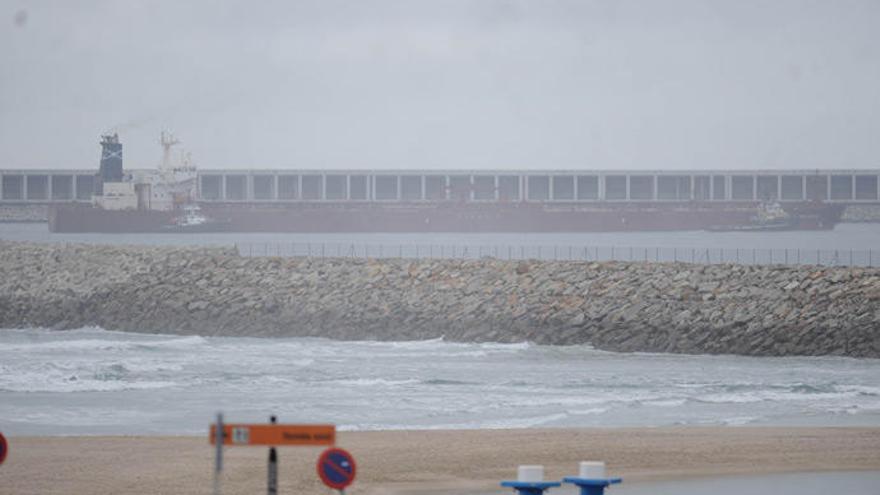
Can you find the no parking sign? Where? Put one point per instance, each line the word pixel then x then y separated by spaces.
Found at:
pixel 4 448
pixel 337 468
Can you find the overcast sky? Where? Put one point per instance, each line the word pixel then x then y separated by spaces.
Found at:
pixel 540 84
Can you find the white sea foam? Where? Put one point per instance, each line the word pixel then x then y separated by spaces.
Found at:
pixel 179 382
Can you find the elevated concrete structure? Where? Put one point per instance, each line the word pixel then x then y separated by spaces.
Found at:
pixel 839 186
pixel 46 186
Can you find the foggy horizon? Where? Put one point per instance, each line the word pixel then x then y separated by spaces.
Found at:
pixel 444 85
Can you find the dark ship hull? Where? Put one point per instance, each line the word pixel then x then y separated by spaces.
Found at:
pixel 446 217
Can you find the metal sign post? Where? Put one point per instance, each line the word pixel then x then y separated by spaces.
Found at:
pixel 272 475
pixel 218 460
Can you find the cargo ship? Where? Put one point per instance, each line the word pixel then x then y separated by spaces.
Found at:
pixel 157 202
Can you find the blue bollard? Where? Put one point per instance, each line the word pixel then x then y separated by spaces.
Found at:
pixel 530 487
pixel 592 486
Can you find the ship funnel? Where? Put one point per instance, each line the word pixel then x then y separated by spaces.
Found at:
pixel 111 161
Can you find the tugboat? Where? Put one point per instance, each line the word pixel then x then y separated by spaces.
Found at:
pixel 770 217
pixel 192 219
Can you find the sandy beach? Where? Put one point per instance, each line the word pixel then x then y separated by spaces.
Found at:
pixel 401 462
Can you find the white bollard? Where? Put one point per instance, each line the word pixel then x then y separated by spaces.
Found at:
pixel 530 473
pixel 592 470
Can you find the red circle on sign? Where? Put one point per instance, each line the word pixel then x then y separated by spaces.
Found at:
pixel 4 448
pixel 332 473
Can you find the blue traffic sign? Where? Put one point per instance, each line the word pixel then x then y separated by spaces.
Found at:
pixel 337 468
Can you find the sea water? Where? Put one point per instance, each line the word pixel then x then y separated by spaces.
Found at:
pixel 92 381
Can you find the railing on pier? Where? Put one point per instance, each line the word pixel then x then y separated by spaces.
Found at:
pixel 745 256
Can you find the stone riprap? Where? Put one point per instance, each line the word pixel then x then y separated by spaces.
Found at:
pixel 656 307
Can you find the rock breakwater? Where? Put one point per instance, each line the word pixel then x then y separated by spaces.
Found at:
pixel 652 307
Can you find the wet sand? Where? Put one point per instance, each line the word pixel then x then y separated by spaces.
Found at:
pixel 400 462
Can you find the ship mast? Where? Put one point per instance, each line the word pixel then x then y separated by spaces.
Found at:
pixel 167 140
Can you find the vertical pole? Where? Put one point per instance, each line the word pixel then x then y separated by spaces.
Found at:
pixel 218 457
pixel 272 475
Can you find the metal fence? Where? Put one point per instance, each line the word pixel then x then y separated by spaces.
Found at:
pixel 747 256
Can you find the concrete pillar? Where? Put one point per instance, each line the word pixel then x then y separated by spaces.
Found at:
pixel 223 187
pixel 628 197
pixel 551 190
pixel 711 188
pixel 299 187
pixel 828 187
pixel 754 187
pixel 779 188
pixel 575 188
pixel 424 194
pixel 728 187
pixel 24 187
pixel 249 186
pixel 275 187
pixel 803 188
pixel 73 187
pixel 372 186
pixel 601 183
pixel 49 187
pixel 852 188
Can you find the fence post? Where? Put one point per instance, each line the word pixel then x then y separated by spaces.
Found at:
pixel 870 256
pixel 818 258
pixel 612 253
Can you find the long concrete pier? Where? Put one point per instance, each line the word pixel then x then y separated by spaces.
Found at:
pixel 840 186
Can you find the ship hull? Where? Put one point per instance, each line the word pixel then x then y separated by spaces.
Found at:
pixel 445 217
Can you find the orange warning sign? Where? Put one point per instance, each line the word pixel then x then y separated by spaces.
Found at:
pixel 271 434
